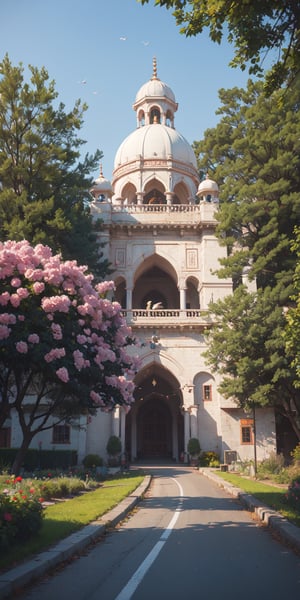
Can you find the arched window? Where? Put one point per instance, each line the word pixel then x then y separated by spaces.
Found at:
pixel 141 118
pixel 155 115
pixel 169 119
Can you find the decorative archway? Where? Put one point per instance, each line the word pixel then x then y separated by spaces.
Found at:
pixel 155 425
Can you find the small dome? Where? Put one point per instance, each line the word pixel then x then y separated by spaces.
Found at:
pixel 155 88
pixel 207 186
pixel 101 185
pixel 155 142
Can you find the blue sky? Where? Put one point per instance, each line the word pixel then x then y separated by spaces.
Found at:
pixel 82 41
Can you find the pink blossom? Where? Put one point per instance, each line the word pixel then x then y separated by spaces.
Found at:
pixel 34 274
pixel 38 287
pixel 21 318
pixel 81 339
pixel 78 360
pixel 15 300
pixel 105 286
pixel 15 282
pixel 22 347
pixel 54 354
pixel 4 332
pixel 56 331
pixel 22 293
pixel 56 303
pixel 96 398
pixel 33 338
pixel 8 319
pixel 4 298
pixel 63 374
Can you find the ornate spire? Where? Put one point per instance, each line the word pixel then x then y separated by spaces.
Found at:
pixel 154 76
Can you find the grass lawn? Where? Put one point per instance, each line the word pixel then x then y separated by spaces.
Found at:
pixel 267 494
pixel 64 518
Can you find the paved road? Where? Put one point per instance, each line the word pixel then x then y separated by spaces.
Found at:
pixel 186 539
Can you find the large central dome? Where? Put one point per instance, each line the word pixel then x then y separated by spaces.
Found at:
pixel 155 142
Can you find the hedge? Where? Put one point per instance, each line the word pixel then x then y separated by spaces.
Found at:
pixel 39 459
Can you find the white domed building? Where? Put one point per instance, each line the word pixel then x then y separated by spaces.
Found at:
pixel 159 225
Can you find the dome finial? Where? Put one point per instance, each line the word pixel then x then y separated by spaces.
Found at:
pixel 101 171
pixel 154 76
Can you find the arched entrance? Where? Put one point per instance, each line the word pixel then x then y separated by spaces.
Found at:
pixel 154 426
pixel 154 429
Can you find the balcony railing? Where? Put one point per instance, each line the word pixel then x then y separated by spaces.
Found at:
pixel 168 317
pixel 144 214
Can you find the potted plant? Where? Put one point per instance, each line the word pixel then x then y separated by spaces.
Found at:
pixel 194 451
pixel 113 449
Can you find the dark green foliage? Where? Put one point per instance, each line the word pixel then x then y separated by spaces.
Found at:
pixel 91 461
pixel 254 155
pixel 193 447
pixel 43 184
pixel 209 459
pixel 40 459
pixel 254 28
pixel 113 446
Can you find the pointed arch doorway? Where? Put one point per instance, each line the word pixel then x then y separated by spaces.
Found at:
pixel 154 427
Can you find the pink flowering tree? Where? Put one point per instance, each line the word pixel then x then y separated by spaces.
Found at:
pixel 64 347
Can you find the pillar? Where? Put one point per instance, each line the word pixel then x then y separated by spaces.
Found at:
pixel 116 421
pixel 182 297
pixel 187 433
pixel 129 298
pixel 194 421
pixel 122 427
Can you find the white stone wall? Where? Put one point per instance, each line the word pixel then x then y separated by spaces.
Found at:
pixel 265 433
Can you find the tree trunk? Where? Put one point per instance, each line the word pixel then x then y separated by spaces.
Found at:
pixel 21 453
pixel 293 418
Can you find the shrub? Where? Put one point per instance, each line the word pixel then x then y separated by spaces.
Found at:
pixel 114 445
pixel 293 494
pixel 273 465
pixel 91 461
pixel 209 459
pixel 295 454
pixel 194 447
pixel 21 512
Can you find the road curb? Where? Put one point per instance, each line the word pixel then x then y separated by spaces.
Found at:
pixel 13 580
pixel 288 533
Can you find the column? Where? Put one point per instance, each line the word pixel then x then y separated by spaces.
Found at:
pixel 116 421
pixel 129 298
pixel 187 433
pixel 169 198
pixel 122 428
pixel 194 421
pixel 82 434
pixel 182 297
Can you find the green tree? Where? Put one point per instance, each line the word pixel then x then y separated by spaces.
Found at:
pixel 254 154
pixel 254 28
pixel 292 332
pixel 43 184
pixel 247 348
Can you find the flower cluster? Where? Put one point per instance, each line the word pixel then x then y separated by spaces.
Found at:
pixel 20 512
pixel 56 323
